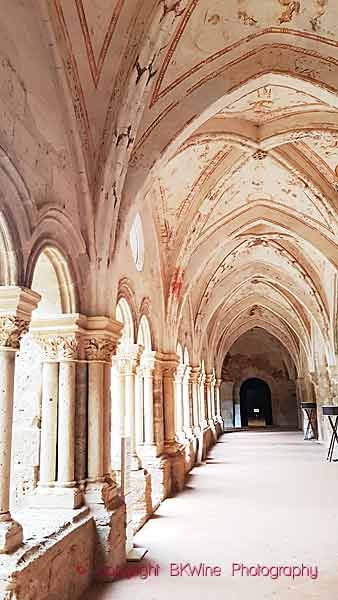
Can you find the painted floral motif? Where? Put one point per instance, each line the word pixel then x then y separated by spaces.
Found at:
pixel 292 8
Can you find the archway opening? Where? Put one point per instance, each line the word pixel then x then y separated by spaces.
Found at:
pixel 255 402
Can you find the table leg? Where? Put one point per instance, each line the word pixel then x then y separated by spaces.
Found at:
pixel 334 438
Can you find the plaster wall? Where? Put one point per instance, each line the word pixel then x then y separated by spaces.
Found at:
pixel 258 354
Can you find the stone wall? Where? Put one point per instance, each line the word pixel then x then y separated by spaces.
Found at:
pixel 57 560
pixel 27 417
pixel 257 354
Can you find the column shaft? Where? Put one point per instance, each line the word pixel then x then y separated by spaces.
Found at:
pixel 66 423
pixel 50 381
pixel 139 409
pixel 7 362
pixel 148 407
pixel 130 409
pixel 95 420
pixel 169 406
pixel 106 419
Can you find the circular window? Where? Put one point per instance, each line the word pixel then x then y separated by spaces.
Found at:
pixel 137 242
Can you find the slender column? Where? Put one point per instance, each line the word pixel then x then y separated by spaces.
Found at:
pixel 104 450
pixel 218 400
pixel 208 397
pixel 49 417
pixel 66 425
pixel 139 408
pixel 99 352
pixel 116 414
pixel 169 406
pixel 16 305
pixel 186 402
pixel 179 402
pixel 148 377
pixel 81 422
pixel 106 419
pixel 95 421
pixel 194 377
pixel 212 399
pixel 11 534
pixel 130 360
pixel 202 400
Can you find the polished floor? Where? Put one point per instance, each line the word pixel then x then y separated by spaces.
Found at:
pixel 263 498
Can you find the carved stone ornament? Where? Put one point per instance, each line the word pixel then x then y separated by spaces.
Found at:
pixel 49 345
pixel 99 349
pixel 11 331
pixel 68 347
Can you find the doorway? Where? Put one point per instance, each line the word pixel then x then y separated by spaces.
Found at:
pixel 255 402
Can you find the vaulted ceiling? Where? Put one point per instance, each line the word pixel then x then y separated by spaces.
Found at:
pixel 223 117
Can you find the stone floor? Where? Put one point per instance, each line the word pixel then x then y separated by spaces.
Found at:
pixel 265 498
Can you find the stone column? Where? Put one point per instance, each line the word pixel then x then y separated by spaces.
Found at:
pixel 59 336
pixel 130 357
pixel 213 397
pixel 179 404
pixel 208 379
pixel 68 493
pixel 195 390
pixel 169 375
pixel 322 384
pixel 203 414
pixel 301 397
pixel 148 391
pixel 152 371
pixel 16 306
pixel 101 494
pixel 218 402
pixel 100 344
pixel 117 413
pixel 187 421
pixel 139 408
pixel 49 413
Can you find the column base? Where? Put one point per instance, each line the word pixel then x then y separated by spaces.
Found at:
pixel 177 463
pixel 181 437
pixel 102 492
pixel 160 471
pixel 141 492
pixel 146 451
pixel 171 447
pixel 56 497
pixel 188 433
pixel 212 426
pixel 11 536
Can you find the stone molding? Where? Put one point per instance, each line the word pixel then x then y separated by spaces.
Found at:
pixel 77 337
pixel 11 331
pixel 195 375
pixel 128 357
pixel 98 349
pixel 16 307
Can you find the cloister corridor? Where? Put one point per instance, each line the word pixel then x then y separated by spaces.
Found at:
pixel 263 498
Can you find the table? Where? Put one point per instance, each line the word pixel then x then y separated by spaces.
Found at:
pixel 332 411
pixel 310 408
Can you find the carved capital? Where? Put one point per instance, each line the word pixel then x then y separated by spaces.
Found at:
pixel 195 375
pixel 11 331
pixel 99 349
pixel 49 346
pixel 68 348
pixel 169 371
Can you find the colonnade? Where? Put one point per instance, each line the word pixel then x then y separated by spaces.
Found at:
pixel 94 392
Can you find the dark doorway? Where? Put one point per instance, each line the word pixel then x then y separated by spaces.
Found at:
pixel 256 409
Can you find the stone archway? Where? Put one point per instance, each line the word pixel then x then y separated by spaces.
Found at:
pixel 255 403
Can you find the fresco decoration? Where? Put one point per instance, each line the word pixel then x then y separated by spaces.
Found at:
pixel 273 102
